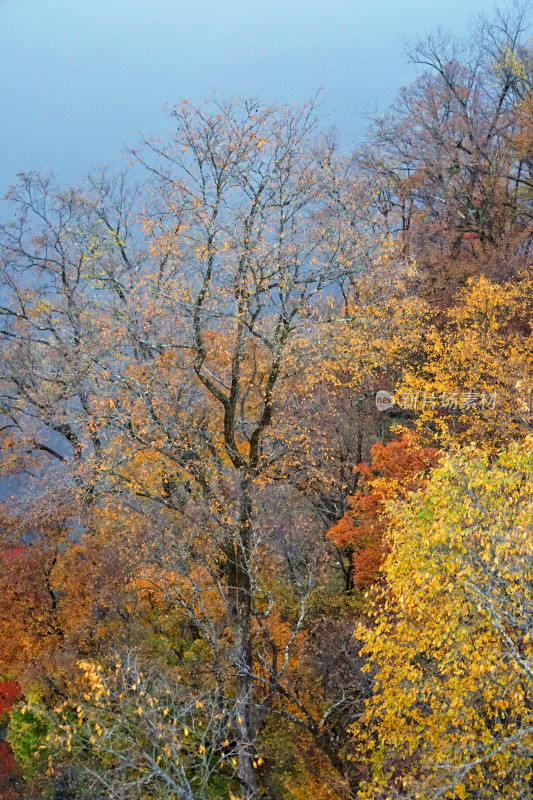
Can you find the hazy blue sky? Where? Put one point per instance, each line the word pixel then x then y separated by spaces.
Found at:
pixel 81 78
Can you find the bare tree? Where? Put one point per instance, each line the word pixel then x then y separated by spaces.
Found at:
pixel 149 354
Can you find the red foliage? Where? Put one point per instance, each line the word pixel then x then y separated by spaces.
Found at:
pixel 9 695
pixel 394 469
pixel 9 773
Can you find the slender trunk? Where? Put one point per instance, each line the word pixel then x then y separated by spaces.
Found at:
pixel 240 594
pixel 243 708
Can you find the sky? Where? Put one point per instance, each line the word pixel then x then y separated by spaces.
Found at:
pixel 80 79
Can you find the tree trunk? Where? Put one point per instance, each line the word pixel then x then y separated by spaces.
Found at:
pixel 240 594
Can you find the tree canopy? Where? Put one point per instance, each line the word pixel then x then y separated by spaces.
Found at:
pixel 227 570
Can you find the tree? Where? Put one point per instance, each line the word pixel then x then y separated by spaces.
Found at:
pixel 150 364
pixel 63 594
pixel 449 640
pixel 134 733
pixel 394 469
pixel 472 379
pixel 451 181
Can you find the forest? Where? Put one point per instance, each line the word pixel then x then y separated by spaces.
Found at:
pixel 266 453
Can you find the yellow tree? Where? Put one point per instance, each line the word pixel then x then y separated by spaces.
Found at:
pixel 472 377
pixel 449 641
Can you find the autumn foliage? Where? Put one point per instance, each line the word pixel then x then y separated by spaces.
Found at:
pixel 225 572
pixel 451 644
pixel 396 468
